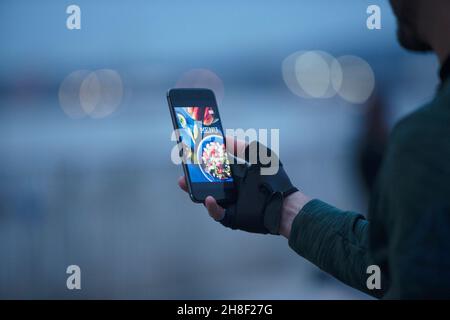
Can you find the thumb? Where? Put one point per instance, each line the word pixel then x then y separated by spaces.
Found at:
pixel 214 210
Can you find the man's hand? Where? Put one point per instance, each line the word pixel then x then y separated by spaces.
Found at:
pixel 215 211
pixel 263 212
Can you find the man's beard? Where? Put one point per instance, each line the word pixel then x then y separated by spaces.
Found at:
pixel 407 13
pixel 410 40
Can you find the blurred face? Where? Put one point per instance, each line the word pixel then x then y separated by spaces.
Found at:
pixel 409 24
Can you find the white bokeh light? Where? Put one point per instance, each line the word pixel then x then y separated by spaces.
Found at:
pixel 357 82
pixel 317 74
pixel 69 94
pixel 101 93
pixel 308 74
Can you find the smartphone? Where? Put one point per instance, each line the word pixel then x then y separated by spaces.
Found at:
pixel 202 145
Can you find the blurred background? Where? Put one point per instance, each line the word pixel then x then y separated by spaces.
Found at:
pixel 85 171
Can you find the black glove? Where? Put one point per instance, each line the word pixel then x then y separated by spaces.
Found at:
pixel 259 197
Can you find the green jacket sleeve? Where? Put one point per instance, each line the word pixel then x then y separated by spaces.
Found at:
pixel 336 241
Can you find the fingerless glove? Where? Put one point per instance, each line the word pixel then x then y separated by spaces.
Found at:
pixel 259 197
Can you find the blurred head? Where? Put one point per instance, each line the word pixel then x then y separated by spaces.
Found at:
pixel 412 22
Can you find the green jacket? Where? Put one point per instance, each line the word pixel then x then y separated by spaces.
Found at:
pixel 407 233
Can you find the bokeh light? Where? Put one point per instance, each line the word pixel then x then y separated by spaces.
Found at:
pixel 101 93
pixel 317 74
pixel 69 94
pixel 358 80
pixel 202 78
pixel 308 74
pixel 96 94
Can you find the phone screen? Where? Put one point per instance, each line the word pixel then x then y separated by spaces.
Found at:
pixel 202 141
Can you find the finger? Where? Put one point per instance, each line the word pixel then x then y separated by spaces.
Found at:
pixel 215 211
pixel 182 183
pixel 235 146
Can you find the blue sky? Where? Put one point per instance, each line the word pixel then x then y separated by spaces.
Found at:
pixel 123 32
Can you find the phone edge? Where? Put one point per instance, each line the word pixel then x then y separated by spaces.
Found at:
pixel 185 171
